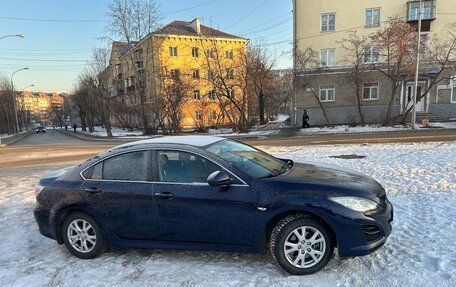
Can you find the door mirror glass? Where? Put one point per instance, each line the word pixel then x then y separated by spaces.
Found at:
pixel 219 178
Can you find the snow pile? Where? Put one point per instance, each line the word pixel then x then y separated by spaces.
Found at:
pixel 420 180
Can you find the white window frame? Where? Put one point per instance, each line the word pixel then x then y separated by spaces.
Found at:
pixel 372 22
pixel 230 93
pixel 210 54
pixel 327 22
pixel 230 74
pixel 173 52
pixel 212 115
pixel 197 95
pixel 175 74
pixel 195 52
pixel 196 74
pixel 371 86
pixel 212 95
pixel 327 53
pixel 373 55
pixel 326 88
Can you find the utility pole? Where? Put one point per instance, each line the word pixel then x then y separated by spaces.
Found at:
pixel 417 72
pixel 295 69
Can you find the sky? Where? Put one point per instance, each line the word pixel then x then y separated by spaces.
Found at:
pixel 60 35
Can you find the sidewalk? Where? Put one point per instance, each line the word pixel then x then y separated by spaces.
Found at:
pixel 12 139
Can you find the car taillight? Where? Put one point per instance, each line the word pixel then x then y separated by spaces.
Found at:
pixel 38 189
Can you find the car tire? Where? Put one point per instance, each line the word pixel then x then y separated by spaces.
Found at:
pixel 83 236
pixel 298 254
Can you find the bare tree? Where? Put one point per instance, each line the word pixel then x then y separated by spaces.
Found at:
pixel 356 47
pixel 396 43
pixel 7 117
pixel 132 20
pixel 308 66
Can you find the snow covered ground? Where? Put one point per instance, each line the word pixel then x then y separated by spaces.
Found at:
pixel 372 128
pixel 421 184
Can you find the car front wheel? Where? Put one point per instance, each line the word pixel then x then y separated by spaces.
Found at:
pixel 83 236
pixel 301 245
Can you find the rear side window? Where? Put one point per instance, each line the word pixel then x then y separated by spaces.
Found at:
pixel 126 167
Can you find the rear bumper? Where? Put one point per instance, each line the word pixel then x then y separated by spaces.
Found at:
pixel 42 218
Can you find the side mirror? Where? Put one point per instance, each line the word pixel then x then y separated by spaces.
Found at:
pixel 219 178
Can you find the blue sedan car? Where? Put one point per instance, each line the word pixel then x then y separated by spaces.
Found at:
pixel 211 193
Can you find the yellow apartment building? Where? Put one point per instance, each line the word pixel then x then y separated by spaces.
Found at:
pixel 185 58
pixel 323 24
pixel 37 107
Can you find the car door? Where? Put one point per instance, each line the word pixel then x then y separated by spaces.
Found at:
pixel 118 189
pixel 190 210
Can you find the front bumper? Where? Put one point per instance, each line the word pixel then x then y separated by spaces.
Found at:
pixel 360 234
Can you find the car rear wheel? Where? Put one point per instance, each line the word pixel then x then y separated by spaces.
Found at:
pixel 301 245
pixel 83 236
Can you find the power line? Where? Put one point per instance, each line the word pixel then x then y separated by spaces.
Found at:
pixel 190 8
pixel 248 14
pixel 41 60
pixel 279 19
pixel 271 27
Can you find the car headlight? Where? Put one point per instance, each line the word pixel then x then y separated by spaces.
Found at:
pixel 356 203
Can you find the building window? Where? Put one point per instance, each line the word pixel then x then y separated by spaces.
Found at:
pixel 371 54
pixel 328 22
pixel 175 74
pixel 209 53
pixel 210 75
pixel 197 95
pixel 229 74
pixel 195 52
pixel 173 51
pixel 213 115
pixel 328 57
pixel 212 95
pixel 373 17
pixel 414 10
pixel 327 93
pixel 453 91
pixel 229 54
pixel 199 115
pixel 196 74
pixel 370 91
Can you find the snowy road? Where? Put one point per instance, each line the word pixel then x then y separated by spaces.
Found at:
pixel 421 184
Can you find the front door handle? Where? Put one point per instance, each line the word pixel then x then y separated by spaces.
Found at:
pixel 164 195
pixel 93 190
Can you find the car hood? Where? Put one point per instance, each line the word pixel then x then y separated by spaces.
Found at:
pixel 323 175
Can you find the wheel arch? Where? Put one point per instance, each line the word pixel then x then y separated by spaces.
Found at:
pixel 276 218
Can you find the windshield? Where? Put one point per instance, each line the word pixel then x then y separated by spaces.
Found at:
pixel 248 159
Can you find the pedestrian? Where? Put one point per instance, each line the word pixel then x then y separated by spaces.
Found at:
pixel 66 127
pixel 305 120
pixel 74 127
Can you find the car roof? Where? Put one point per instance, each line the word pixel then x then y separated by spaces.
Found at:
pixel 198 141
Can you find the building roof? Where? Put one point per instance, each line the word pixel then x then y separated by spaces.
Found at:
pixel 122 47
pixel 184 28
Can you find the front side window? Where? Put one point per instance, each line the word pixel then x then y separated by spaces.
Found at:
pixel 328 22
pixel 327 93
pixel 328 57
pixel 370 91
pixel 125 167
pixel 373 17
pixel 248 159
pixel 184 167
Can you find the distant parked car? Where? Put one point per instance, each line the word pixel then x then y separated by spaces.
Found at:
pixel 40 129
pixel 211 193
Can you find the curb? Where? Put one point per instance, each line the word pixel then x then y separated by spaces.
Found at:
pixel 15 138
pixel 86 137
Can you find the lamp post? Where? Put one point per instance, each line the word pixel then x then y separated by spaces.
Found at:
pixel 14 97
pixel 23 103
pixel 18 35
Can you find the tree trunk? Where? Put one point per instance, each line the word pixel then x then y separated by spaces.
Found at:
pixel 261 108
pixel 360 111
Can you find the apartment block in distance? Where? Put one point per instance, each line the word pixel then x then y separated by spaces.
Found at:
pixel 323 24
pixel 180 59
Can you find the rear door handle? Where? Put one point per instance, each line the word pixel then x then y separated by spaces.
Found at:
pixel 164 195
pixel 93 190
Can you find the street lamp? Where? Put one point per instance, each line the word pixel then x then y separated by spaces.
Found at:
pixel 14 97
pixel 18 35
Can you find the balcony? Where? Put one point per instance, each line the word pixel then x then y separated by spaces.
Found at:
pixel 413 9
